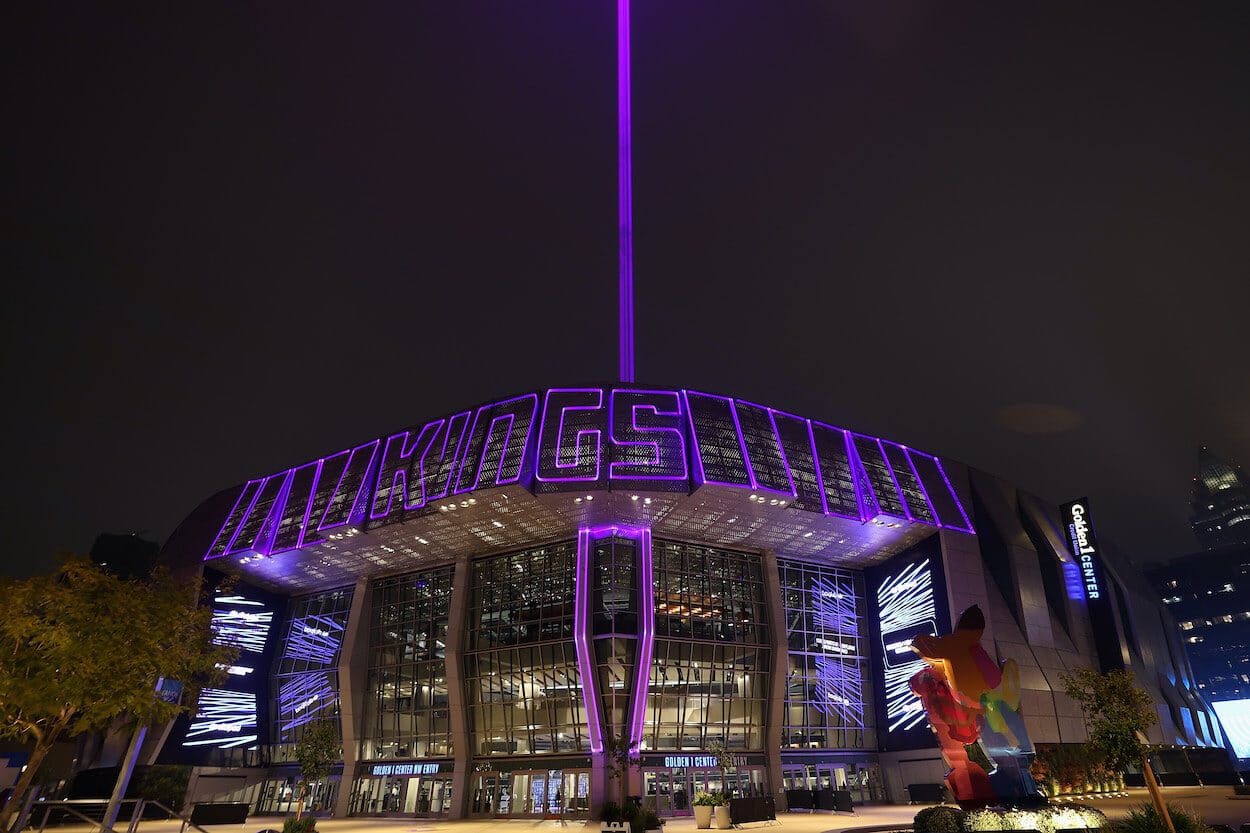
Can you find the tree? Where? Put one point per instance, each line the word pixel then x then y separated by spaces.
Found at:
pixel 317 749
pixel 81 648
pixel 1117 715
pixel 619 752
pixel 725 762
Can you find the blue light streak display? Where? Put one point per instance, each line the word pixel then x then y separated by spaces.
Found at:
pixel 229 717
pixel 906 604
pixel 307 680
pixel 242 623
pixel 223 720
pixel 908 598
pixel 839 684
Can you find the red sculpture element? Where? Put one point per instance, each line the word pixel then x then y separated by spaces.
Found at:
pixel 955 726
pixel 969 699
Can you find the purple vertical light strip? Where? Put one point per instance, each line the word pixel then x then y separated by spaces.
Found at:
pixel 626 191
pixel 646 637
pixel 581 640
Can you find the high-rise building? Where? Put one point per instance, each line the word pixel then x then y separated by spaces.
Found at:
pixel 1221 502
pixel 1209 595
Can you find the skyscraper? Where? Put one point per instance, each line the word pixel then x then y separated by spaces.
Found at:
pixel 1221 502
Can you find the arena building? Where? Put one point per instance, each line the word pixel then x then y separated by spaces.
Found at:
pixel 482 600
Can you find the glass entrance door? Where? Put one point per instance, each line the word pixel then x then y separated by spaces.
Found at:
pixel 438 795
pixel 486 793
pixel 667 788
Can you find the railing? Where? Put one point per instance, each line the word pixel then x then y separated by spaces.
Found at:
pixel 70 807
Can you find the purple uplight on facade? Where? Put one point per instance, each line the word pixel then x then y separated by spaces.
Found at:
pixel 626 191
pixel 581 641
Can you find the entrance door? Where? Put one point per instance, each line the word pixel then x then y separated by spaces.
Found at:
pixel 659 786
pixel 577 792
pixel 440 794
pixel 484 795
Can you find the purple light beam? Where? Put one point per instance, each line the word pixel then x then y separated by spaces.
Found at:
pixel 626 187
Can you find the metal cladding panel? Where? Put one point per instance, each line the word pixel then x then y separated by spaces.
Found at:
pixel 239 512
pixel 880 480
pixel 497 451
pixel 768 460
pixel 917 504
pixel 720 452
pixel 352 494
pixel 795 436
pixel 294 518
pixel 837 473
pixel 649 445
pixel 941 496
pixel 571 438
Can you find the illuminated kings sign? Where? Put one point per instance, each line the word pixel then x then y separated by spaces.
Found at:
pixel 579 439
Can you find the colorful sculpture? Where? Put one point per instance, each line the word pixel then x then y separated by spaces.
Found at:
pixel 973 706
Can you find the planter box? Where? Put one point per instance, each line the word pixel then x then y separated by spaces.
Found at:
pixel 703 816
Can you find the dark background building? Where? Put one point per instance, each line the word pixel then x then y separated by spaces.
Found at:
pixel 1221 502
pixel 1209 594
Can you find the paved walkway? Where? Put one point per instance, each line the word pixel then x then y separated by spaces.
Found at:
pixel 1216 804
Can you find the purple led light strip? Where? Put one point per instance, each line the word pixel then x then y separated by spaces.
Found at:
pixel 581 627
pixel 626 188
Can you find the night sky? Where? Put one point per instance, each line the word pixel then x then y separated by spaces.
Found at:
pixel 241 236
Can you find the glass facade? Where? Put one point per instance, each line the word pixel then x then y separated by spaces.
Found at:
pixel 827 703
pixel 709 669
pixel 524 689
pixel 529 734
pixel 306 683
pixel 406 702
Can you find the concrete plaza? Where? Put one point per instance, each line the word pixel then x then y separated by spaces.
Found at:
pixel 1217 805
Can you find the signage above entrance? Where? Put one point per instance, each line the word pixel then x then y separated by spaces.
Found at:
pixel 406 769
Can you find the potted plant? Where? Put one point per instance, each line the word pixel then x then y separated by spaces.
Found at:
pixel 723 821
pixel 648 821
pixel 703 804
pixel 305 824
pixel 610 817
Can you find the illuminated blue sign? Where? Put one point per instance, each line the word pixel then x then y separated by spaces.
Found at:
pixel 406 770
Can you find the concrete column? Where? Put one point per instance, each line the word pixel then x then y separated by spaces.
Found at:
pixel 353 676
pixel 457 699
pixel 778 669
